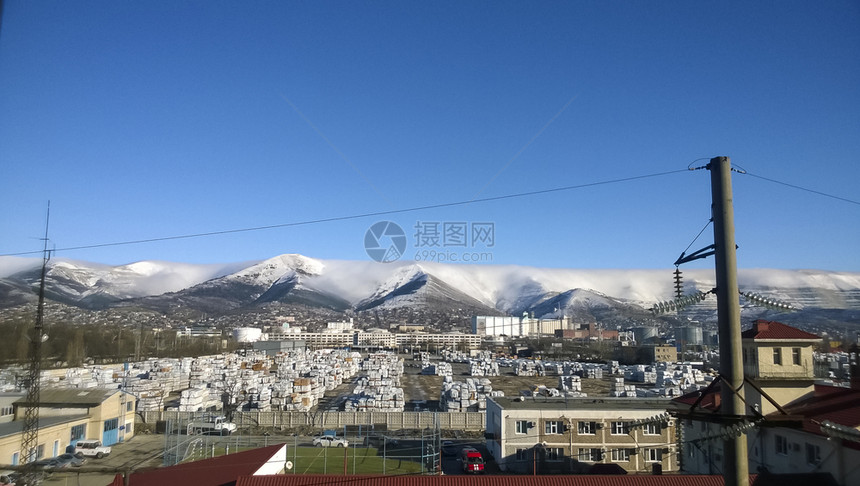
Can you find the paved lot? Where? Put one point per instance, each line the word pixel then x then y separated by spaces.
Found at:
pixel 139 452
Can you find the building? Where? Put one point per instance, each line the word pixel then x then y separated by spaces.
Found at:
pixel 587 332
pixel 69 415
pixel 499 326
pixel 380 338
pixel 662 354
pixel 778 358
pixel 570 435
pixel 410 328
pixel 453 340
pixel 792 425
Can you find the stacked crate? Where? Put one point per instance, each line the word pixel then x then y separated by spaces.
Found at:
pixel 618 389
pixel 439 369
pixel 468 396
pixel 483 367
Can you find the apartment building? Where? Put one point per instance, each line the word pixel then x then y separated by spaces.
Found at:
pixel 569 435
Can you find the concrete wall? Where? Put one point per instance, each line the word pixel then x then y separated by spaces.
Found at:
pixel 472 421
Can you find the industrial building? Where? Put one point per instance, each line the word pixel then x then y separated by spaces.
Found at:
pixel 67 415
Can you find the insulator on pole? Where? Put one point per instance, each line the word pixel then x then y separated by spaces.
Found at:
pixel 679 283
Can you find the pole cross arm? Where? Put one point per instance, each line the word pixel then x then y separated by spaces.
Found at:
pixel 696 255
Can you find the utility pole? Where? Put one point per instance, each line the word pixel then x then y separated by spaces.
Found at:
pixel 736 465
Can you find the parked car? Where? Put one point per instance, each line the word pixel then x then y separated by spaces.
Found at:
pixel 52 463
pixel 73 460
pixel 449 448
pixel 330 441
pixel 92 448
pixel 9 478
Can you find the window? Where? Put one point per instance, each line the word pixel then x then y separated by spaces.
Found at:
pixel 522 454
pixel 781 445
pixel 7 410
pixel 777 356
pixel 795 356
pixel 554 453
pixel 589 455
pixel 813 454
pixel 111 424
pixel 619 428
pixel 651 429
pixel 78 432
pixel 129 407
pixel 586 428
pixel 553 427
pixel 653 455
pixel 56 450
pixel 620 455
pixel 522 427
pixel 16 457
pixel 40 451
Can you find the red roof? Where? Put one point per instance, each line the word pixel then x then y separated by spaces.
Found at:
pixel 836 404
pixel 557 480
pixel 217 471
pixel 775 330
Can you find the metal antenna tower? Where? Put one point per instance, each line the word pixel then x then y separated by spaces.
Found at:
pixel 30 436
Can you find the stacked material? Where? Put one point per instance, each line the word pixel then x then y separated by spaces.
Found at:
pixel 619 389
pixel 150 394
pixel 378 390
pixel 375 399
pixel 640 373
pixel 571 384
pixel 523 367
pixel 199 399
pixel 483 367
pixel 468 396
pixel 438 369
pixel 455 356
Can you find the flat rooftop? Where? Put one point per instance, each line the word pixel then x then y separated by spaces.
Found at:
pixel 582 403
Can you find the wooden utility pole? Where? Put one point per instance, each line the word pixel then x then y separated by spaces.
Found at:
pixel 736 465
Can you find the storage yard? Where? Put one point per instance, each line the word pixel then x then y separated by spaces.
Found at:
pixel 344 380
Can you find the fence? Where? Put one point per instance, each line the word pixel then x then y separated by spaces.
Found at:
pixel 468 421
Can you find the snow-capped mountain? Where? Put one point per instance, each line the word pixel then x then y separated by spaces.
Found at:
pixel 365 285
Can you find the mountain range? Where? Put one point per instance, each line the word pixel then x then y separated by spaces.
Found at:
pixel 358 286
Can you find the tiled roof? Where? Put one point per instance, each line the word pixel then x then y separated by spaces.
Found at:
pixel 836 404
pixel 217 471
pixel 558 480
pixel 775 330
pixel 710 402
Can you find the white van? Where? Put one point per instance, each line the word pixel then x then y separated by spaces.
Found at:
pixel 92 448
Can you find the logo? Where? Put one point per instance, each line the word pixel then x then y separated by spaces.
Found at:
pixel 385 241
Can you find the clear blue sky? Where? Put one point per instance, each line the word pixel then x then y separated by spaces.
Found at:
pixel 150 119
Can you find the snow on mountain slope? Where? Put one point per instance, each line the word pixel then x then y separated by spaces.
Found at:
pixel 269 271
pixel 77 280
pixel 508 288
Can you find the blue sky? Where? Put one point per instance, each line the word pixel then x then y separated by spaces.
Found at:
pixel 141 120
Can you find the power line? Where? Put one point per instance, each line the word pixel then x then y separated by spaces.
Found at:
pixel 802 188
pixel 357 216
